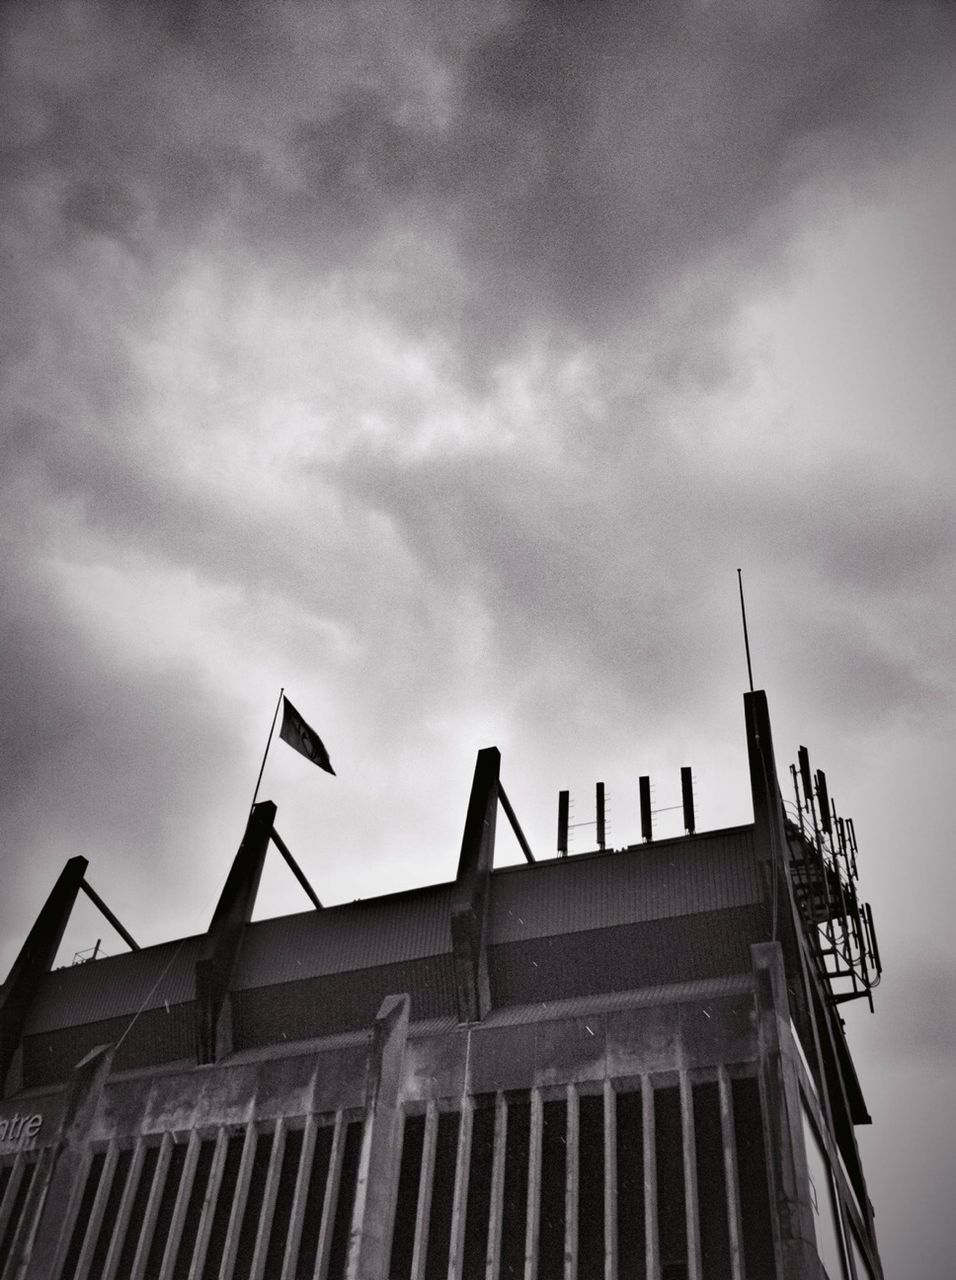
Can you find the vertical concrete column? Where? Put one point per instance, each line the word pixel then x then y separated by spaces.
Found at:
pixel 257 1270
pixel 571 1187
pixel 65 1173
pixel 425 1188
pixel 240 1192
pixel 95 1219
pixel 610 1181
pixel 220 948
pixel 794 1239
pixel 20 1246
pixel 496 1207
pixel 472 890
pixel 533 1217
pixel 372 1220
pixel 653 1253
pixel 182 1202
pixel 151 1214
pixel 691 1192
pixel 210 1201
pixel 331 1197
pixel 125 1211
pixel 728 1138
pixel 299 1196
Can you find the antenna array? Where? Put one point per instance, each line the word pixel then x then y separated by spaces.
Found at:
pixel 824 875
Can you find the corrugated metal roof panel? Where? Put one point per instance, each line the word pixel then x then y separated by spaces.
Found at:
pixel 356 935
pixel 651 882
pixel 116 985
pixel 707 944
pixel 332 1002
pixel 155 1036
pixel 704 989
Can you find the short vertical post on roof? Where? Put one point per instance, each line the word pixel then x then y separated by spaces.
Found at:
pixel 599 815
pixel 370 1238
pixel 687 798
pixel 35 959
pixel 647 819
pixel 220 946
pixel 473 890
pixel 564 804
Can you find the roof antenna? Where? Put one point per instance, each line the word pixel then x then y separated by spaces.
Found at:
pixel 743 613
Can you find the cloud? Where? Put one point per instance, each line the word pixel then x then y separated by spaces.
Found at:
pixel 399 352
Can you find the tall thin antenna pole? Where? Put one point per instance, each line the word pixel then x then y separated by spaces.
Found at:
pixel 743 614
pixel 262 767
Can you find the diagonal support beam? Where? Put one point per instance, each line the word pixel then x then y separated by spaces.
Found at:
pixel 515 824
pixel 296 870
pixel 97 901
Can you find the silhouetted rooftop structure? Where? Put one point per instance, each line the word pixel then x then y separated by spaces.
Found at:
pixel 626 1062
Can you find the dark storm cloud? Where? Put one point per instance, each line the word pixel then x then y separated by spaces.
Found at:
pixel 584 157
pixel 592 154
pixel 575 165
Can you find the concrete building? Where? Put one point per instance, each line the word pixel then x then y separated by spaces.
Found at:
pixel 623 1063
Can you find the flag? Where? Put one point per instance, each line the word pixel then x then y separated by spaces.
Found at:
pixel 298 734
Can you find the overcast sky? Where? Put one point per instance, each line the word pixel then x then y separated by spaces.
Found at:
pixel 442 363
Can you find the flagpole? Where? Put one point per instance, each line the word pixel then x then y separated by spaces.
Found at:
pixel 743 613
pixel 262 767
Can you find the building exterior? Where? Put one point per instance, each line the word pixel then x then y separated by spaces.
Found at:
pixel 623 1064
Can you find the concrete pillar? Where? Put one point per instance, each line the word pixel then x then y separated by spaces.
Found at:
pixel 370 1239
pixel 472 890
pixel 64 1174
pixel 35 959
pixel 220 948
pixel 767 803
pixel 794 1238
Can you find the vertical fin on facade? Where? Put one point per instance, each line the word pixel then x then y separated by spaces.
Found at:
pixel 63 1183
pixel 372 1216
pixel 35 959
pixel 221 945
pixel 791 1212
pixel 470 904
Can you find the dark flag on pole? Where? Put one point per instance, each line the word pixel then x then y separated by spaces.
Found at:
pixel 298 734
